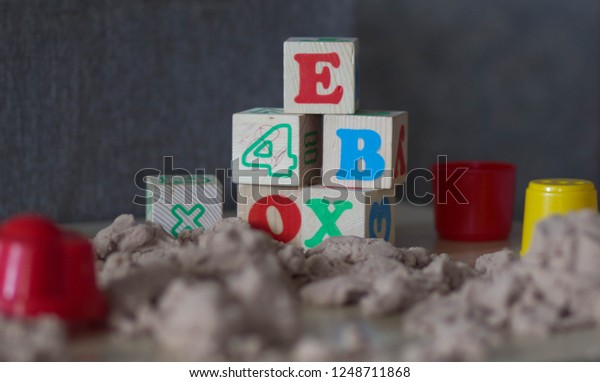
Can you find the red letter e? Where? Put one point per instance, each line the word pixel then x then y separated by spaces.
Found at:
pixel 309 78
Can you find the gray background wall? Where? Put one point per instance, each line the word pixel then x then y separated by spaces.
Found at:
pixel 93 91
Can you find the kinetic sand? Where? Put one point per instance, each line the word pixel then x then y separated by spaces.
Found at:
pixel 232 293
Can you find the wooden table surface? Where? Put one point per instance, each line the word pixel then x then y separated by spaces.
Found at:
pixel 414 228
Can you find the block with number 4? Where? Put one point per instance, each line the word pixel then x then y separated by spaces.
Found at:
pixel 320 75
pixel 367 149
pixel 306 216
pixel 180 202
pixel 271 147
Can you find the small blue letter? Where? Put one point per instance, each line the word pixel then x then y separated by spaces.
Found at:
pixel 380 212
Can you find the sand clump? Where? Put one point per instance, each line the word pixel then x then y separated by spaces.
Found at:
pixel 204 294
pixel 41 339
pixel 232 293
pixel 379 277
pixel 555 287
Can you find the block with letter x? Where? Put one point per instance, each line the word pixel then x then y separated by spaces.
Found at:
pixel 306 216
pixel 329 212
pixel 320 75
pixel 184 202
pixel 367 149
pixel 271 147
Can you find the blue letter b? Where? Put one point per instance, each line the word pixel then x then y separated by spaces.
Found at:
pixel 351 155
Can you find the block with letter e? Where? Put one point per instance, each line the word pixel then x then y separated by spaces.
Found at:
pixel 367 149
pixel 320 75
pixel 275 148
pixel 180 202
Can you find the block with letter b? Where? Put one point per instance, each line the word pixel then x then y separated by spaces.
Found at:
pixel 180 202
pixel 367 149
pixel 320 75
pixel 271 147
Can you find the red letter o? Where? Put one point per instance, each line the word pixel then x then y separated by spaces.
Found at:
pixel 290 216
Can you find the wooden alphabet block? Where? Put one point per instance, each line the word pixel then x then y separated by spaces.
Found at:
pixel 271 147
pixel 328 212
pixel 306 216
pixel 365 150
pixel 180 202
pixel 320 75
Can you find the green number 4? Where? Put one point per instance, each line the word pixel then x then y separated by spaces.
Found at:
pixel 260 154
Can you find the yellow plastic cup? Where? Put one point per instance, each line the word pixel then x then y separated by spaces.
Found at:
pixel 545 197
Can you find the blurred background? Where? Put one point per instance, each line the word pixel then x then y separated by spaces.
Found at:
pixel 93 91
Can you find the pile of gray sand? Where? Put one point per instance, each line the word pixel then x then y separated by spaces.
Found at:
pixel 232 293
pixel 40 339
pixel 555 287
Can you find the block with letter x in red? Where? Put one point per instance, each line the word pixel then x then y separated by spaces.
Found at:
pixel 367 149
pixel 306 216
pixel 320 75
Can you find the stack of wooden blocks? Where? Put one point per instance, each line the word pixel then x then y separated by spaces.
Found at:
pixel 319 167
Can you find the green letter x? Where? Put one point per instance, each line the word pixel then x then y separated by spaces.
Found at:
pixel 321 208
pixel 178 208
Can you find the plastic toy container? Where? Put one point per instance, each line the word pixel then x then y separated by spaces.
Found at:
pixel 545 197
pixel 44 270
pixel 477 205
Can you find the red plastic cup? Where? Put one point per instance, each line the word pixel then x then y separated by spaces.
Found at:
pixel 44 270
pixel 478 205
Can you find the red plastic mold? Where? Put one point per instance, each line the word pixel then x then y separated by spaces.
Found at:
pixel 44 270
